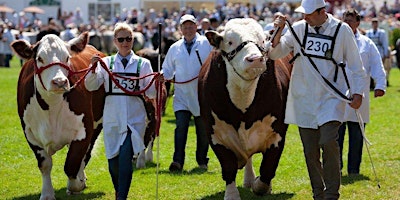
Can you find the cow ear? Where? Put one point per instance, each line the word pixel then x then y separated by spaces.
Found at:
pixel 214 38
pixel 22 48
pixel 78 44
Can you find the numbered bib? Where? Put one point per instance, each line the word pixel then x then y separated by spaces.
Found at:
pixel 125 82
pixel 318 45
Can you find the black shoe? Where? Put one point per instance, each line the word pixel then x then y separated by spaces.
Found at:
pixel 175 167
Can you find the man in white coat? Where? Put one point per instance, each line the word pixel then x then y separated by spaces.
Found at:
pixel 317 92
pixel 182 63
pixel 373 66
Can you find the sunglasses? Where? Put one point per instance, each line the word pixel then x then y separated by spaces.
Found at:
pixel 121 40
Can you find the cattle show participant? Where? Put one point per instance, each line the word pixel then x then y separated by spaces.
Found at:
pixel 182 63
pixel 125 115
pixel 374 67
pixel 242 99
pixel 55 114
pixel 316 100
pixel 380 38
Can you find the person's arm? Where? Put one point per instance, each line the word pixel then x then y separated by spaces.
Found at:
pixel 377 70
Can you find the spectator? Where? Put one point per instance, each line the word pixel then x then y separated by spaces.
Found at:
pixel 6 40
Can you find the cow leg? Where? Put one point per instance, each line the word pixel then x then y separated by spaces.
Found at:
pixel 141 160
pixel 76 185
pixel 229 165
pixel 269 164
pixel 75 165
pixel 45 164
pixel 249 174
pixel 149 152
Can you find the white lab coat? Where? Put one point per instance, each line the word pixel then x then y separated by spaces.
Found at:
pixel 381 41
pixel 311 102
pixel 373 66
pixel 184 67
pixel 121 111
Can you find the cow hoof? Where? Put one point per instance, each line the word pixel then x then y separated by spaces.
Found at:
pixel 261 188
pixel 231 192
pixel 69 192
pixel 47 197
pixel 75 186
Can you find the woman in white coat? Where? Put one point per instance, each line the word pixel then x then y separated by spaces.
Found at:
pixel 124 119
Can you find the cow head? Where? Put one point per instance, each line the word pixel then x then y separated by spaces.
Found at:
pixel 241 44
pixel 51 58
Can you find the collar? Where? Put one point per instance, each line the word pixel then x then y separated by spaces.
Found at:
pixel 128 57
pixel 194 40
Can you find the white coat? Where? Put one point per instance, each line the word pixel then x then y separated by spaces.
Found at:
pixel 311 102
pixel 373 66
pixel 121 111
pixel 179 64
pixel 381 41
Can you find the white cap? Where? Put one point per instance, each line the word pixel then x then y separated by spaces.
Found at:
pixel 187 17
pixel 309 6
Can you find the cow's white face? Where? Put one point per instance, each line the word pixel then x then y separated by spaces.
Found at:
pixel 52 49
pixel 249 62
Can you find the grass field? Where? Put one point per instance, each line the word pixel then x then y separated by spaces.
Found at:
pixel 20 178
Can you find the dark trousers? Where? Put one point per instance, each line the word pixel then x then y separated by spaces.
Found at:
pixel 324 176
pixel 355 146
pixel 181 133
pixel 121 168
pixel 7 60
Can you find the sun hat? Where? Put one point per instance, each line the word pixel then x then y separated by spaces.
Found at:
pixel 309 6
pixel 186 18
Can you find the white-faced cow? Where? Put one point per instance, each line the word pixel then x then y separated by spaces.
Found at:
pixel 242 99
pixel 52 113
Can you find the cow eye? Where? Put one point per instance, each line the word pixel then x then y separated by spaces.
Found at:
pixel 67 60
pixel 40 60
pixel 230 43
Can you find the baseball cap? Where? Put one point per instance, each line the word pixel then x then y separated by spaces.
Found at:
pixel 309 6
pixel 187 17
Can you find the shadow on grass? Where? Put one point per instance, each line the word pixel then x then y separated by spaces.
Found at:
pixel 350 179
pixel 61 194
pixel 246 193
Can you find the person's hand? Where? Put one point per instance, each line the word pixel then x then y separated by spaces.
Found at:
pixel 356 101
pixel 161 78
pixel 95 59
pixel 379 93
pixel 280 21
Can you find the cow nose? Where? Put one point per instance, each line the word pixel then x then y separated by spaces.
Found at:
pixel 60 82
pixel 253 58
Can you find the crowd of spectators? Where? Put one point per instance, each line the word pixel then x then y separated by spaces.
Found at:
pixel 146 21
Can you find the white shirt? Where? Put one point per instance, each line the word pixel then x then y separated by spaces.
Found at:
pixel 184 67
pixel 311 102
pixel 121 111
pixel 373 66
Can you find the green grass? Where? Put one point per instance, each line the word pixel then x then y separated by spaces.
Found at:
pixel 21 178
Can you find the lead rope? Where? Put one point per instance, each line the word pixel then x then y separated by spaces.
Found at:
pixel 357 112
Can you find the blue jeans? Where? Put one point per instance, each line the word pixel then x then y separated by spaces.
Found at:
pixel 181 133
pixel 121 168
pixel 355 146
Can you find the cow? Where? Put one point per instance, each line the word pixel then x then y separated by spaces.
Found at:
pixel 242 97
pixel 54 112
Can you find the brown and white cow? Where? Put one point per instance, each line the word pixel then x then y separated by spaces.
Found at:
pixel 242 99
pixel 54 115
